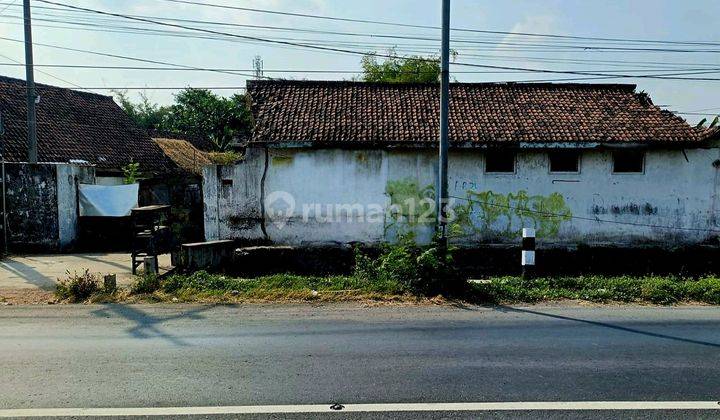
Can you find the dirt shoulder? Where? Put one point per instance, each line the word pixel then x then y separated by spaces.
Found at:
pixel 26 297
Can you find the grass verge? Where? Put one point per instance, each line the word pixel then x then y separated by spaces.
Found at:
pixel 202 287
pixel 402 272
pixel 662 290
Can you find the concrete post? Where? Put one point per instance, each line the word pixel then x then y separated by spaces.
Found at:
pixel 151 265
pixel 110 283
pixel 528 253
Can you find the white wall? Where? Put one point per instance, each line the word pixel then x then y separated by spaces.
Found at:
pixel 673 202
pixel 67 175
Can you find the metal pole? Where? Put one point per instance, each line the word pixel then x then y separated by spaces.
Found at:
pixel 444 110
pixel 30 78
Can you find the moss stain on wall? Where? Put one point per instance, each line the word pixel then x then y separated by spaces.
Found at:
pixel 485 210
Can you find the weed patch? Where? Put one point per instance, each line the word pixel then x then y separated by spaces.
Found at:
pixel 77 287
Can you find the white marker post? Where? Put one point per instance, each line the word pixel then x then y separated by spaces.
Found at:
pixel 528 253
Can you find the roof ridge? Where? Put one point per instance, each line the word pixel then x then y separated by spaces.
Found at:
pixel 622 86
pixel 17 81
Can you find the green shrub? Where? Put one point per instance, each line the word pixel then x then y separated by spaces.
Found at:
pixel 131 172
pixel 706 290
pixel 145 285
pixel 624 289
pixel 408 267
pixel 660 290
pixel 77 288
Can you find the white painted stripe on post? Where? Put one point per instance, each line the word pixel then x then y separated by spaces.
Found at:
pixel 528 233
pixel 528 258
pixel 362 408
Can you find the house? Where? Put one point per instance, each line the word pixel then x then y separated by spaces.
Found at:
pixel 583 164
pixel 83 138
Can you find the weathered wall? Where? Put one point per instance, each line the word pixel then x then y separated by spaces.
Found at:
pixel 41 202
pixel 674 202
pixel 68 178
pixel 231 198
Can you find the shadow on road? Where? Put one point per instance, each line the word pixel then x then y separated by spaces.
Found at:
pixel 504 308
pixel 147 325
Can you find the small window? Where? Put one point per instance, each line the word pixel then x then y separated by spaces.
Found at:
pixel 564 161
pixel 500 162
pixel 628 162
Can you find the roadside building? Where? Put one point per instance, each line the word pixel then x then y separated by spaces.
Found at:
pixel 83 138
pixel 583 164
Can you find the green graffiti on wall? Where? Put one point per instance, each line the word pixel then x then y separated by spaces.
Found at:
pixel 410 203
pixel 482 212
pixel 515 211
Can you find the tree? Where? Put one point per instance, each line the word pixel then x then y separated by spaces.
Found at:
pixel 197 113
pixel 145 114
pixel 410 69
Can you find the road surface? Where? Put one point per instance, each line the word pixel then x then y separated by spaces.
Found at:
pixel 194 357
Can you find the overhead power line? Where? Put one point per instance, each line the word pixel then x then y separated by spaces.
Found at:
pixel 125 57
pixel 353 52
pixel 20 64
pixel 689 71
pixel 162 20
pixel 184 34
pixel 76 13
pixel 406 25
pixel 7 6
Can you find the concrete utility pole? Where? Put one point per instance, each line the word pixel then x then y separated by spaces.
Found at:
pixel 30 80
pixel 444 110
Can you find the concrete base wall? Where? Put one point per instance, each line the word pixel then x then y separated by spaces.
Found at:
pixel 336 196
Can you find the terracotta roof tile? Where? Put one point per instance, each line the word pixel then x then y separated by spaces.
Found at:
pixel 379 113
pixel 75 125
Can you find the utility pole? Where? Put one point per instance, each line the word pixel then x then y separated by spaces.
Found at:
pixel 30 80
pixel 444 127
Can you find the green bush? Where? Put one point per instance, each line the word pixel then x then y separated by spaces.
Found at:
pixel 77 288
pixel 661 290
pixel 706 290
pixel 145 285
pixel 410 268
pixel 625 289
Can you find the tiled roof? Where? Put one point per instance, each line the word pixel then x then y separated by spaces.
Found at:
pixel 184 154
pixel 321 112
pixel 711 133
pixel 75 125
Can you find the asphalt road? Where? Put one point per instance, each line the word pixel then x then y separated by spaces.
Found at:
pixel 179 356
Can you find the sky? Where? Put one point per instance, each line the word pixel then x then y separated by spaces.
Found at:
pixel 663 20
